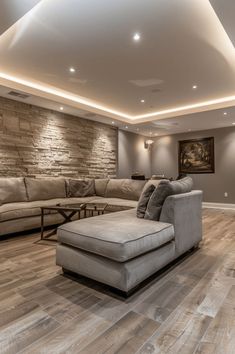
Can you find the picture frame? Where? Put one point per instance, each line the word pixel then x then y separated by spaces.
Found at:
pixel 196 156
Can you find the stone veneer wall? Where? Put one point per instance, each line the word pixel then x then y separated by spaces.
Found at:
pixel 39 142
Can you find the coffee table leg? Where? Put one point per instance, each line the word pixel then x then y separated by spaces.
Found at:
pixel 42 223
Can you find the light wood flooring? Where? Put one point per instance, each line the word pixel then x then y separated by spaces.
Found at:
pixel 190 308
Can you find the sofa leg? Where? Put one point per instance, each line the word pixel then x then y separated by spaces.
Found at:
pixel 124 294
pixel 195 247
pixel 67 272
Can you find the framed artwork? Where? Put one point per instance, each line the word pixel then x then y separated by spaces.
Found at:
pixel 196 156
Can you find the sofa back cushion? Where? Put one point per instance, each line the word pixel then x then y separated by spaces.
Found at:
pixel 154 182
pixel 124 188
pixel 164 190
pixel 80 187
pixel 12 190
pixel 100 186
pixel 45 188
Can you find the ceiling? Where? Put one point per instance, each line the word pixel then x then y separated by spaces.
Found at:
pixel 13 10
pixel 182 44
pixel 191 122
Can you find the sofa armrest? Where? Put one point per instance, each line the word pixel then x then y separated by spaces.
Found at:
pixel 184 211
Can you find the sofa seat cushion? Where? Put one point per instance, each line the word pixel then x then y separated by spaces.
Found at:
pixel 13 211
pixel 119 236
pixel 116 204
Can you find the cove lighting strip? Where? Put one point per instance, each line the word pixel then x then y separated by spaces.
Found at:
pixel 189 107
pixel 61 94
pixel 77 99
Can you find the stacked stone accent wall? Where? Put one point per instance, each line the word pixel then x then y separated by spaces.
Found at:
pixel 39 142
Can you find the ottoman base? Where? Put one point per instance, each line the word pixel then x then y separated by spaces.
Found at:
pixel 123 276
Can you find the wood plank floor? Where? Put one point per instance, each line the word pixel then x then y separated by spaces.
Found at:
pixel 188 309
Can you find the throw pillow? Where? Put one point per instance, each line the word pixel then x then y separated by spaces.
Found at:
pixel 80 188
pixel 164 190
pixel 100 186
pixel 143 201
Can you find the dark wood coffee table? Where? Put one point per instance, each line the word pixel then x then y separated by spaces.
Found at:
pixel 92 209
pixel 67 211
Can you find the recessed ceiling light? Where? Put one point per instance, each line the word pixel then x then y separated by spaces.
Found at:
pixel 136 37
pixel 225 113
pixel 142 101
pixel 126 127
pixel 113 122
pixel 233 123
pixel 61 108
pixel 194 87
pixel 72 70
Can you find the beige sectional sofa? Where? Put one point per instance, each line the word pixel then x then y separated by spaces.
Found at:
pixel 117 249
pixel 22 197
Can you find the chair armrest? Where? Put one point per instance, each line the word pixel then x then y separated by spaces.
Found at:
pixel 184 211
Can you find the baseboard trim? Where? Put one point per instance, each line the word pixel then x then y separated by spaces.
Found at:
pixel 218 205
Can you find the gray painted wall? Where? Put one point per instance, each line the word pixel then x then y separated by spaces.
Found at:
pixel 165 160
pixel 132 156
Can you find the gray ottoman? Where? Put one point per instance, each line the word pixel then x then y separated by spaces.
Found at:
pixel 121 250
pixel 117 249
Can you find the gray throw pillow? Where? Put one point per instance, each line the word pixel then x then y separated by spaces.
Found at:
pixel 143 201
pixel 80 187
pixel 164 190
pixel 184 185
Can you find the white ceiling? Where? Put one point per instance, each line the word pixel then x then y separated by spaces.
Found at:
pixel 12 11
pixel 183 43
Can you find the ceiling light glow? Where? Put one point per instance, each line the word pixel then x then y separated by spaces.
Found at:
pixel 73 98
pixel 61 108
pixel 72 70
pixel 142 101
pixel 194 87
pixel 61 94
pixel 136 37
pixel 225 113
